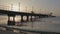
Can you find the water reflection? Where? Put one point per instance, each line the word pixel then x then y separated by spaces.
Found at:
pixel 42 24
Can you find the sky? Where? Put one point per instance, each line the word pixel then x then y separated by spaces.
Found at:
pixel 39 6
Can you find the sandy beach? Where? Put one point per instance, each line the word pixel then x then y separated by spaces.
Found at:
pixel 6 32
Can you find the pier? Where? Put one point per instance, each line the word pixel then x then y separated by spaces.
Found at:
pixel 22 14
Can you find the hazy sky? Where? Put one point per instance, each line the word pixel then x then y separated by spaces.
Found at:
pixel 46 6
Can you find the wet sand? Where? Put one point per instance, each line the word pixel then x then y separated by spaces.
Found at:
pixel 6 32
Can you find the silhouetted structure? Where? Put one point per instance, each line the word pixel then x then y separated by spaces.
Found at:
pixel 13 14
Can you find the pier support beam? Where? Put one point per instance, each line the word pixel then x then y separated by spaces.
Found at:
pixel 11 22
pixel 34 17
pixel 21 18
pixel 31 18
pixel 27 18
pixel 39 16
pixel 13 18
pixel 8 18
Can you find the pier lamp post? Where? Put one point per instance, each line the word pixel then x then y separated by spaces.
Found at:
pixel 19 6
pixel 11 7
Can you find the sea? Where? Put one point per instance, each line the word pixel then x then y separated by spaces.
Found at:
pixel 50 24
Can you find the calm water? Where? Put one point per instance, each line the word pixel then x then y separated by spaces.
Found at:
pixel 51 24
